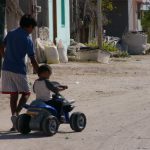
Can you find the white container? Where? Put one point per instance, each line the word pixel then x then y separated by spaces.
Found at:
pixel 87 55
pixel 62 52
pixel 52 55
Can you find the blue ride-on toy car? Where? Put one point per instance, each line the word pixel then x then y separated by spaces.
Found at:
pixel 46 118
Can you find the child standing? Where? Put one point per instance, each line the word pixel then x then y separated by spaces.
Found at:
pixel 16 45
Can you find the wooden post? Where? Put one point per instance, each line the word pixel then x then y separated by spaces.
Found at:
pixel 34 13
pixel 100 24
pixel 35 32
pixel 2 24
pixel 2 18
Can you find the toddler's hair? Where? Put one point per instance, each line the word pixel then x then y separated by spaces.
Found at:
pixel 44 68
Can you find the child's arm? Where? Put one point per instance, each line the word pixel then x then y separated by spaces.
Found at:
pixel 55 89
pixel 63 87
pixel 34 64
pixel 2 47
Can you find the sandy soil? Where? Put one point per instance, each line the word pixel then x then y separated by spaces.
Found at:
pixel 114 97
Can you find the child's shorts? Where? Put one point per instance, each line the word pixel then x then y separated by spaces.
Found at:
pixel 13 83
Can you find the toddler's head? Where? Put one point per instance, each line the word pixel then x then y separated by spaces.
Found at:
pixel 44 71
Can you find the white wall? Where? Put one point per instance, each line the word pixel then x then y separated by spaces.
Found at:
pixel 63 32
pixel 134 22
pixel 130 14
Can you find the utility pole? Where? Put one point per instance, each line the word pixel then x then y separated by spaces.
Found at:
pixel 100 24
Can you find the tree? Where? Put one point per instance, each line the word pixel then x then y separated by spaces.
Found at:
pixel 99 24
pixel 103 6
pixel 146 20
pixel 107 5
pixel 84 27
pixel 13 14
pixel 146 23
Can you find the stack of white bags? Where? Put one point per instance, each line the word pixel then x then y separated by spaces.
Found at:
pixel 47 51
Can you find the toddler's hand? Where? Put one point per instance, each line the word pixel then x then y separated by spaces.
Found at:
pixel 64 86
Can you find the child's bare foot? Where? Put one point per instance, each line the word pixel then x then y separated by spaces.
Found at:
pixel 14 122
pixel 12 129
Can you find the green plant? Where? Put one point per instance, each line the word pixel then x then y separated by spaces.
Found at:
pixel 146 23
pixel 121 54
pixel 146 20
pixel 110 47
pixel 92 45
pixel 107 5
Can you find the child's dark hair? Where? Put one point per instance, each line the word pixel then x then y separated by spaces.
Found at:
pixel 44 68
pixel 27 21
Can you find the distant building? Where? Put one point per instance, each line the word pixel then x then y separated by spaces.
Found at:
pixel 126 17
pixel 145 5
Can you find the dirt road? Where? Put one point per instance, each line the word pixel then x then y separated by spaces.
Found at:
pixel 115 98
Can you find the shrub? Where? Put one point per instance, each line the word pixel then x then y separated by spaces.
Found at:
pixel 110 47
pixel 92 45
pixel 121 54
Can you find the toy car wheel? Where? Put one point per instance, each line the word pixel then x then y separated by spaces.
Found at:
pixel 78 121
pixel 23 124
pixel 50 125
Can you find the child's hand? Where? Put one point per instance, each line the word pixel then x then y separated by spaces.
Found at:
pixel 64 87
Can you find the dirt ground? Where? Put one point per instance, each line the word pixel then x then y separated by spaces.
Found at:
pixel 115 98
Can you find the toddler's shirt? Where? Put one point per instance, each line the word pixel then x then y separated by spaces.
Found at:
pixel 43 88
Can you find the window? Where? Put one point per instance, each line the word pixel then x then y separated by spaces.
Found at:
pixel 63 12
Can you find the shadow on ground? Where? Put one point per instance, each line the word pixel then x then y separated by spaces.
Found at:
pixel 7 135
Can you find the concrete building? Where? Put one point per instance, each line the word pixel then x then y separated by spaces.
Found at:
pixel 59 21
pixel 55 14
